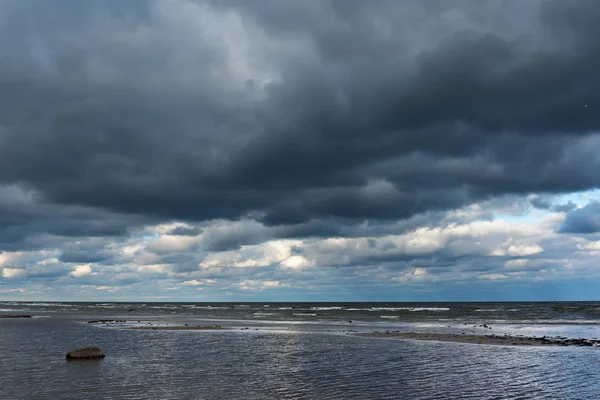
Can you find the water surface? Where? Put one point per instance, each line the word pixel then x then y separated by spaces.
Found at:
pixel 291 356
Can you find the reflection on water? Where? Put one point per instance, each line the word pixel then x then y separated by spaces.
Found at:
pixel 287 364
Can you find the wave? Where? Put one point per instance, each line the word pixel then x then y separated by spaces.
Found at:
pixel 327 308
pixel 390 316
pixel 553 322
pixel 412 309
pixel 263 314
pixel 305 314
pixel 46 304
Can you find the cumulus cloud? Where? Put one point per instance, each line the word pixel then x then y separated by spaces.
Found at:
pixel 261 285
pixel 9 258
pixel 13 272
pixel 81 270
pixel 195 282
pixel 583 220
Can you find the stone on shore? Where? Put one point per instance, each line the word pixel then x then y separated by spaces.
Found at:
pixel 88 353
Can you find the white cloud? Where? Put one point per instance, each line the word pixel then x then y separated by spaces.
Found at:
pixel 296 262
pixel 198 283
pixel 590 246
pixel 172 243
pixel 15 290
pixel 262 255
pixel 518 250
pixel 420 271
pixel 13 272
pixel 493 277
pixel 81 270
pixel 257 285
pixel 524 250
pixel 416 275
pixel 9 258
pixel 155 268
pixel 107 288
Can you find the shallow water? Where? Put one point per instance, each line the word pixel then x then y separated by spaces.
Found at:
pixel 279 360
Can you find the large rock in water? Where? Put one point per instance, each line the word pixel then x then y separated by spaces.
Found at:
pixel 89 353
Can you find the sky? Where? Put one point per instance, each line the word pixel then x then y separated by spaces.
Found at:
pixel 325 150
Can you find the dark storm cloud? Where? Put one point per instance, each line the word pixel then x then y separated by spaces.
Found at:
pixel 81 257
pixel 185 231
pixel 567 207
pixel 375 112
pixel 544 203
pixel 28 224
pixel 582 220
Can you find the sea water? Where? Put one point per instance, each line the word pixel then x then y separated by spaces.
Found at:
pixel 295 351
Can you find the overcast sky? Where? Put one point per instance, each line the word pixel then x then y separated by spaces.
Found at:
pixel 234 150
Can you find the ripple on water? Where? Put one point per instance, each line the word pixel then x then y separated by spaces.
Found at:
pixel 272 364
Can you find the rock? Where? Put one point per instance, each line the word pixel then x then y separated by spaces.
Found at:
pixel 15 316
pixel 88 353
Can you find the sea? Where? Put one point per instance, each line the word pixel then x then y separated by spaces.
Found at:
pixel 295 351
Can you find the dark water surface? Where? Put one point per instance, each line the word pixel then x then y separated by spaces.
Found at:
pixel 528 312
pixel 282 359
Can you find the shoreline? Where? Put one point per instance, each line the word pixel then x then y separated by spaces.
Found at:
pixel 499 340
pixel 177 328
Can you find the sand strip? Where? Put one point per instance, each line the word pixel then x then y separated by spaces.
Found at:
pixel 504 340
pixel 178 328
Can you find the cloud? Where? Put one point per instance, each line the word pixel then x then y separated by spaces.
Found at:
pixel 13 273
pixel 545 203
pixel 293 122
pixel 253 285
pixel 186 231
pixel 296 145
pixel 80 271
pixel 107 288
pixel 584 220
pixel 195 282
pixel 8 258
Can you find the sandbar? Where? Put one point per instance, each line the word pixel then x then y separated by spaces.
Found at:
pixel 503 340
pixel 178 328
